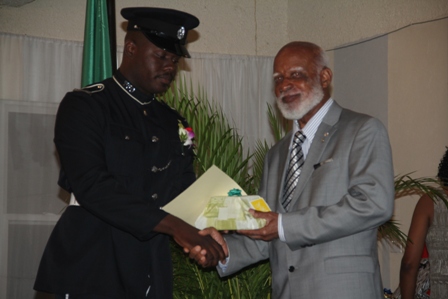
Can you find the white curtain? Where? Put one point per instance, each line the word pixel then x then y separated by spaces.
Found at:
pixel 35 73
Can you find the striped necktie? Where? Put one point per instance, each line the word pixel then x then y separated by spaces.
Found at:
pixel 296 161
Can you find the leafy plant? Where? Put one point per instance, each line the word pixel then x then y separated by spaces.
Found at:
pixel 216 143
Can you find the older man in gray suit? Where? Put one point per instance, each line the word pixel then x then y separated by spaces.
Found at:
pixel 321 237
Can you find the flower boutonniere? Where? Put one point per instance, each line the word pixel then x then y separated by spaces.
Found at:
pixel 186 135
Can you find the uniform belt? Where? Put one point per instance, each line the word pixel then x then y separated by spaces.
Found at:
pixel 73 201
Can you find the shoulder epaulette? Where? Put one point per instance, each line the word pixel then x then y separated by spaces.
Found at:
pixel 92 88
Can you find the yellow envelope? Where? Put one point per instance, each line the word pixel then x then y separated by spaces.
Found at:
pixel 192 202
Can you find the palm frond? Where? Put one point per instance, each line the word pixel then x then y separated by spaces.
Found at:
pixel 260 152
pixel 406 185
pixel 217 143
pixel 390 232
pixel 278 125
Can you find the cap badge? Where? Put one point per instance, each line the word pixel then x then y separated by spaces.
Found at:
pixel 181 33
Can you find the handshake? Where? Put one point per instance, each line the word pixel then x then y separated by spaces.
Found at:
pixel 208 247
pixel 211 250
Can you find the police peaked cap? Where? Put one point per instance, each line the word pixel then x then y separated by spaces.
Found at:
pixel 165 28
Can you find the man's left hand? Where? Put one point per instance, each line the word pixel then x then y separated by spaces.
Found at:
pixel 267 232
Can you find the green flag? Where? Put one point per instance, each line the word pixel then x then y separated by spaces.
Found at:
pixel 96 59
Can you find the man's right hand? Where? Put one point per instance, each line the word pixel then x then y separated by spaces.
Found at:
pixel 208 253
pixel 197 252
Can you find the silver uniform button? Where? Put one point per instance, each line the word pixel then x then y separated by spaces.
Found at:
pixel 154 196
pixel 145 113
pixel 154 139
pixel 154 169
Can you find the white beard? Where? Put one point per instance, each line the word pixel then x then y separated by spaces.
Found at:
pixel 297 109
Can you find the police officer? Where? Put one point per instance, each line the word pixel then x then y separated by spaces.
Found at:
pixel 122 158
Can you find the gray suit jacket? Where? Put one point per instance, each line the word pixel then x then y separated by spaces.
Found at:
pixel 345 191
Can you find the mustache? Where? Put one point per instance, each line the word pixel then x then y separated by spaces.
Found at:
pixel 287 94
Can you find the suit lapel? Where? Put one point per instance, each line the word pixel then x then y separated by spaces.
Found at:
pixel 323 135
pixel 282 161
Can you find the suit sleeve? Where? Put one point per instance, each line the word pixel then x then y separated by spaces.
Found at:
pixel 243 252
pixel 368 198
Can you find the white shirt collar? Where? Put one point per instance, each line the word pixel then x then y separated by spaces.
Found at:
pixel 311 126
pixel 309 130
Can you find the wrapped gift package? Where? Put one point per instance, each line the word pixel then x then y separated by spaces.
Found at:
pixel 232 213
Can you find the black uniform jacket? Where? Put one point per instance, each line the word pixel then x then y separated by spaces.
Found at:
pixel 123 161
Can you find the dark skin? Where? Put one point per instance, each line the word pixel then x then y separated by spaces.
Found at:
pixel 295 69
pixel 147 67
pixel 421 221
pixel 151 70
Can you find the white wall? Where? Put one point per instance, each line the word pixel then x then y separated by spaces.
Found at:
pixel 418 108
pixel 248 27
